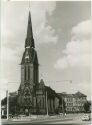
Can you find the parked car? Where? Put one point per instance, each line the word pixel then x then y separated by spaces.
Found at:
pixel 60 113
pixel 22 116
pixel 86 117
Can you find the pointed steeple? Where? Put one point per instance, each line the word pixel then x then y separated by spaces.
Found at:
pixel 29 39
pixel 29 28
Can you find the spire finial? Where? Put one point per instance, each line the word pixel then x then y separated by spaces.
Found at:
pixel 29 5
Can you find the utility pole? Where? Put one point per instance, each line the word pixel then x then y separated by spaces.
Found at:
pixel 62 106
pixel 7 95
pixel 46 103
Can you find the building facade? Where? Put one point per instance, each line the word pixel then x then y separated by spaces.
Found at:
pixel 74 102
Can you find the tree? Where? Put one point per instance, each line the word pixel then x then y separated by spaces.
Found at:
pixel 4 101
pixel 13 105
pixel 87 106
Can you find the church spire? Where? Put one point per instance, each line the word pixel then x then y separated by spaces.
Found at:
pixel 29 39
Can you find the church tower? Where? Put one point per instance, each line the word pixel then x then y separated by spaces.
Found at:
pixel 29 73
pixel 29 63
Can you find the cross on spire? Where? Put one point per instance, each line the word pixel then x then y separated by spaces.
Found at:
pixel 29 5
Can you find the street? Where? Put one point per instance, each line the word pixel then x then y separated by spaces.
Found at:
pixel 57 122
pixel 70 119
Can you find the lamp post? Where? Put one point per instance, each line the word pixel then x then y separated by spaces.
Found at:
pixel 47 103
pixel 7 95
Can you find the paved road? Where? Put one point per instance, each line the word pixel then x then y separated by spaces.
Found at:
pixel 59 122
pixel 69 123
pixel 71 119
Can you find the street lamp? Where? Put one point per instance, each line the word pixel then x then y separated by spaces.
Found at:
pixel 7 95
pixel 47 103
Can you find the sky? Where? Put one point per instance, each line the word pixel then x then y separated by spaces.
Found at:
pixel 62 34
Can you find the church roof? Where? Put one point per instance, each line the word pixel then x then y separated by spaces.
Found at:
pixel 50 92
pixel 65 95
pixel 77 94
pixel 13 93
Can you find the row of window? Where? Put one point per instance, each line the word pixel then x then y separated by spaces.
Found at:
pixel 75 99
pixel 69 104
pixel 74 109
pixel 69 99
pixel 78 104
pixel 69 109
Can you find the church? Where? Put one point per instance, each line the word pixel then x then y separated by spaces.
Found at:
pixel 33 96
